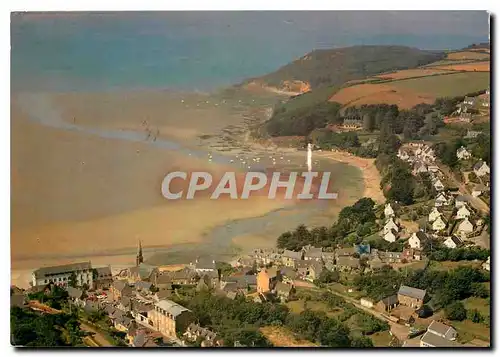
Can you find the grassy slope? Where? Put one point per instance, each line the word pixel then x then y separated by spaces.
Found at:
pixel 447 85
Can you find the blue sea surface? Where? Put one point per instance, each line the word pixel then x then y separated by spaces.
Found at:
pixel 205 50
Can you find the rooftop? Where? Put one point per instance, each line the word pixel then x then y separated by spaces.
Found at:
pixel 61 269
pixel 171 307
pixel 411 292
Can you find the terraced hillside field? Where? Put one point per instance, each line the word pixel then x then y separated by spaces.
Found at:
pixel 481 66
pixel 468 55
pixel 407 93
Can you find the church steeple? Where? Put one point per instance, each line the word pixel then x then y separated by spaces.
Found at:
pixel 139 259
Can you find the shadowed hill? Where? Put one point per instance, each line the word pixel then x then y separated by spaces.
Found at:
pixel 321 68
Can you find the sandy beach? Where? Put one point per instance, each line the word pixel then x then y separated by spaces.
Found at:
pixel 78 197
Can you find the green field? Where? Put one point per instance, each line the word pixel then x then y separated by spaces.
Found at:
pixel 452 85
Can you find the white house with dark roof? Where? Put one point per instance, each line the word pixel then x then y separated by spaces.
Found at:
pixel 60 274
pixel 481 169
pixel 486 264
pixel 417 240
pixel 441 200
pixel 390 225
pixel 388 211
pixel 452 242
pixel 439 224
pixel 391 236
pixel 463 212
pixel 434 214
pixel 463 153
pixel 438 185
pixel 465 227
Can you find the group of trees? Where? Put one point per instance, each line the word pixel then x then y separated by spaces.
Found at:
pixel 358 219
pixel 445 287
pixel 398 183
pixel 440 253
pixel 55 297
pixel 32 329
pixel 327 139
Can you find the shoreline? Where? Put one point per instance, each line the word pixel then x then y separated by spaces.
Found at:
pixel 369 172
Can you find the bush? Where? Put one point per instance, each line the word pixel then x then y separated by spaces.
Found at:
pixel 455 311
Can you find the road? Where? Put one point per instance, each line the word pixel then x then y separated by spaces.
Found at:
pixel 475 202
pixel 97 336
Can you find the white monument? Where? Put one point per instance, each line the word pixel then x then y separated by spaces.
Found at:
pixel 309 157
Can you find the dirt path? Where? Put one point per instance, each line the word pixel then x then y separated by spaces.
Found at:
pixel 401 332
pixel 97 337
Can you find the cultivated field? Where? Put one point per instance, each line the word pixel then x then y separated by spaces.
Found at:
pixel 473 55
pixel 381 93
pixel 446 86
pixel 410 73
pixel 482 66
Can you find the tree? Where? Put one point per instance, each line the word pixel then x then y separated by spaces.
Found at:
pixel 327 276
pixel 475 316
pixel 456 311
pixel 361 342
pixel 72 280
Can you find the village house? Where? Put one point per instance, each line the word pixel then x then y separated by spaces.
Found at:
pixel 430 339
pixel 472 134
pixel 417 240
pixel 302 268
pixel 463 212
pixel 438 185
pixel 60 274
pixel 412 297
pixel 184 276
pixel 366 302
pixel 442 330
pixel 344 252
pixel 170 318
pixel 123 323
pixel 486 264
pixel 439 224
pixel 289 274
pixel 328 256
pixel 391 236
pixel 452 242
pixel 433 169
pixel 388 211
pixel 390 257
pixel 442 200
pixel 143 338
pixel 481 169
pixel 465 228
pixel 375 262
pixel 267 279
pixel 284 291
pixel 348 263
pixel 204 265
pixel 103 277
pixel 352 123
pixel 119 289
pixel 390 225
pixel 387 303
pixel 435 213
pixel 290 258
pixel 463 153
pixel 314 271
pixel 208 338
pixel 312 253
pixel 411 254
pixel 478 190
